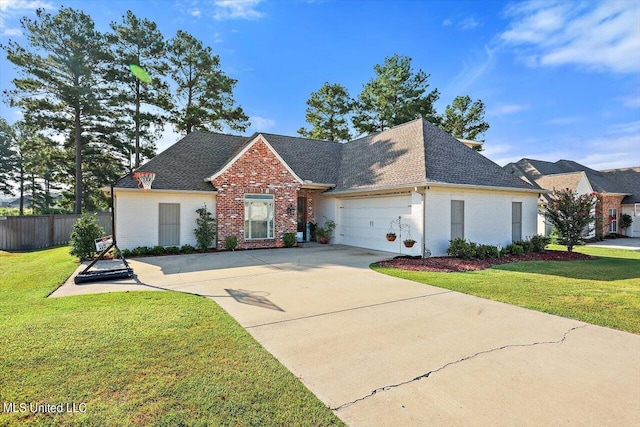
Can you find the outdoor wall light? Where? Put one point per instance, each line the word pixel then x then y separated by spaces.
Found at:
pixel 291 210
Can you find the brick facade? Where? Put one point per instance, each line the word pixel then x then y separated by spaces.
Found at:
pixel 606 202
pixel 257 171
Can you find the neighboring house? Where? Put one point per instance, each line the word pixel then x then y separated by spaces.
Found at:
pixel 265 185
pixel 617 190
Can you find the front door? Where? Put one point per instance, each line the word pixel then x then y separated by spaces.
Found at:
pixel 302 216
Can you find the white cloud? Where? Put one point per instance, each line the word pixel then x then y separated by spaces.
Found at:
pixel 195 12
pixel 631 101
pixel 16 32
pixel 563 121
pixel 12 8
pixel 447 23
pixel 237 9
pixel 597 36
pixel 505 109
pixel 482 62
pixel 262 123
pixel 468 23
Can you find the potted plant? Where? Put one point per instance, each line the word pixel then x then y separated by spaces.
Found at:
pixel 391 237
pixel 409 243
pixel 324 233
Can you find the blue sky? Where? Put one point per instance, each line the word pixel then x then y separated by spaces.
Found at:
pixel 560 80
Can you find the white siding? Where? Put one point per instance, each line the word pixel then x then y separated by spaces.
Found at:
pixel 634 230
pixel 487 216
pixel 137 215
pixel 365 221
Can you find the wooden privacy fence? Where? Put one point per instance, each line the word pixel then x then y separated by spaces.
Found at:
pixel 22 233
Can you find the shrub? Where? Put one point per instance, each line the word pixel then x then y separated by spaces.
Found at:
pixel 126 253
pixel 230 243
pixel 289 239
pixel 156 250
pixel 527 246
pixel 540 242
pixel 85 231
pixel 487 251
pixel 172 250
pixel 141 250
pixel 206 228
pixel 512 249
pixel 187 249
pixel 570 213
pixel 460 248
pixel 625 222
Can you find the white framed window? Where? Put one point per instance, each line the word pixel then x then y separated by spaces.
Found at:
pixel 258 216
pixel 613 220
pixel 169 224
pixel 516 221
pixel 457 219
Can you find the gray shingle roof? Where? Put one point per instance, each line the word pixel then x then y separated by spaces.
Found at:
pixel 629 180
pixel 414 153
pixel 621 181
pixel 185 164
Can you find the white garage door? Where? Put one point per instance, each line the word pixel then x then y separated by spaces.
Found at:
pixel 365 222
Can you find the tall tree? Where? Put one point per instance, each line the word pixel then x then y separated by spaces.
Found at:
pixel 204 92
pixel 8 157
pixel 396 95
pixel 142 107
pixel 327 112
pixel 60 80
pixel 465 119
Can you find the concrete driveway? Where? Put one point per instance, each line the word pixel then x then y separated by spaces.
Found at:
pixel 384 351
pixel 632 243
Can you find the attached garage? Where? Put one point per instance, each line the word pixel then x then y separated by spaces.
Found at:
pixel 365 221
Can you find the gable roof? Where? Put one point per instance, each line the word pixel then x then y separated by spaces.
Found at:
pixel 616 181
pixel 412 154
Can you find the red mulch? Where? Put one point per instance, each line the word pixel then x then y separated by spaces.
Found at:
pixel 449 265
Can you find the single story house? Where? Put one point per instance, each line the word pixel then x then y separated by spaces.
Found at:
pixel 262 186
pixel 617 190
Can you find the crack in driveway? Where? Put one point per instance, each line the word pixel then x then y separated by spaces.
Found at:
pixel 426 375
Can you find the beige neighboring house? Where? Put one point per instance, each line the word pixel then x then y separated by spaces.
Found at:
pixel 617 190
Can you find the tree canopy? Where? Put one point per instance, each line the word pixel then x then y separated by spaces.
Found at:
pixel 395 95
pixel 328 111
pixel 204 94
pixel 465 119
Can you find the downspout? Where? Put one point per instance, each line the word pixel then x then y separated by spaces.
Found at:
pixel 113 216
pixel 424 222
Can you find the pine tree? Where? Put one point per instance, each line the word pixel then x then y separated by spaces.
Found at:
pixel 142 107
pixel 60 85
pixel 8 157
pixel 204 94
pixel 396 95
pixel 327 112
pixel 464 119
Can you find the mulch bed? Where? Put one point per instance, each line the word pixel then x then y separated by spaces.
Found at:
pixel 450 265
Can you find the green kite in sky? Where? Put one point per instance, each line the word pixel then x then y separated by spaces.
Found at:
pixel 140 73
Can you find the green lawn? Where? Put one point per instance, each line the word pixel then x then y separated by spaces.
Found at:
pixel 139 358
pixel 604 291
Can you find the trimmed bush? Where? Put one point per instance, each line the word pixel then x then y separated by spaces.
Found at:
pixel 126 253
pixel 85 231
pixel 172 250
pixel 512 249
pixel 187 249
pixel 460 248
pixel 141 250
pixel 540 242
pixel 289 239
pixel 487 251
pixel 526 245
pixel 230 243
pixel 156 250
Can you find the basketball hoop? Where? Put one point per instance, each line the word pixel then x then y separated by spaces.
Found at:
pixel 144 179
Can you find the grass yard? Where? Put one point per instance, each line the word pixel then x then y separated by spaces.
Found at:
pixel 139 358
pixel 604 291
